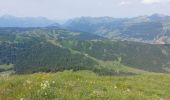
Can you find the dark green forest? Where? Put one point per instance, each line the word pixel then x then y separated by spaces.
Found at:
pixel 33 50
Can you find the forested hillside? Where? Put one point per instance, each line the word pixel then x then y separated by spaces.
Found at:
pixel 148 57
pixel 32 50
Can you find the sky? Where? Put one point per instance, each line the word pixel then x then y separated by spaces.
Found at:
pixel 63 9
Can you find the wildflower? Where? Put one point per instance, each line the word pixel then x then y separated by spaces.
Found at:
pixel 115 87
pixel 45 85
pixel 128 90
pixel 53 82
pixel 21 98
pixel 161 99
pixel 28 81
pixel 45 93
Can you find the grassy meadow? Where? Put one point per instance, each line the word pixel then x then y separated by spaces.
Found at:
pixel 84 85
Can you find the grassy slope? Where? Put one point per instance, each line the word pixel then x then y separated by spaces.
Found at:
pixel 84 85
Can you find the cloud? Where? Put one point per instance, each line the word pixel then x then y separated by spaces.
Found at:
pixel 151 1
pixel 122 3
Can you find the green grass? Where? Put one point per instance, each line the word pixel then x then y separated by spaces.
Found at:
pixel 84 85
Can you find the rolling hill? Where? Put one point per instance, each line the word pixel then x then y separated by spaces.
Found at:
pixel 33 50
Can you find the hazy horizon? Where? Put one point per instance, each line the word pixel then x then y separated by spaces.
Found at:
pixel 64 9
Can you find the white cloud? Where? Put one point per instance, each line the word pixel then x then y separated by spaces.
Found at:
pixel 122 3
pixel 151 1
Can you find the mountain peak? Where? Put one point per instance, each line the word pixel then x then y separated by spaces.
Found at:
pixel 159 17
pixel 7 16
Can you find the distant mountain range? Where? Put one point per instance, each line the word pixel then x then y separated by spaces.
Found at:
pixel 149 29
pixel 153 29
pixel 12 21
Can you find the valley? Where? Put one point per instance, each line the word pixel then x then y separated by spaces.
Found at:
pixel 86 59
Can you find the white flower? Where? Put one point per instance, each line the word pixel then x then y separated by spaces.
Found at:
pixel 128 90
pixel 21 98
pixel 45 85
pixel 161 99
pixel 45 93
pixel 28 81
pixel 53 82
pixel 115 87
